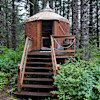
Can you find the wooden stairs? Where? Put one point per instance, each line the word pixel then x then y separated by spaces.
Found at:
pixel 37 68
pixel 38 75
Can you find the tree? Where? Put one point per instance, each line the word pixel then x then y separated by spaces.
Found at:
pixel 75 28
pixel 31 9
pixel 97 15
pixel 0 21
pixel 13 26
pixel 91 35
pixel 51 4
pixel 6 17
pixel 63 8
pixel 68 8
pixel 0 12
pixel 84 28
pixel 60 2
pixel 34 7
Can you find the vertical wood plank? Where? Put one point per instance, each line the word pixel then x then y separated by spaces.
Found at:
pixel 56 30
pixel 38 35
pixel 75 46
pixel 55 27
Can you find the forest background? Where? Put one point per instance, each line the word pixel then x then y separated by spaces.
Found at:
pixel 84 17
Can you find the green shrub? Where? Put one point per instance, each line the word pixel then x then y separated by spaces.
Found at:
pixel 79 80
pixel 9 60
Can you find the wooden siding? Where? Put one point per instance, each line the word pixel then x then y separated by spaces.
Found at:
pixel 38 35
pixel 65 27
pixel 31 31
pixel 56 29
pixel 61 28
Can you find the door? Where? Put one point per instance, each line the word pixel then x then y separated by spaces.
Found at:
pixel 47 29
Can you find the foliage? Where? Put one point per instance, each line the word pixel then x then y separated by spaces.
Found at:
pixel 9 60
pixel 79 80
pixel 12 98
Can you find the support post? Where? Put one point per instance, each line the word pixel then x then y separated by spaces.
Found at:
pixel 19 78
pixel 58 67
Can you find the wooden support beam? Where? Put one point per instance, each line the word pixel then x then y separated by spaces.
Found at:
pixel 65 51
pixel 19 78
pixel 63 36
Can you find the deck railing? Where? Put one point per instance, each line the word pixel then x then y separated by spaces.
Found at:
pixel 54 62
pixel 62 47
pixel 21 67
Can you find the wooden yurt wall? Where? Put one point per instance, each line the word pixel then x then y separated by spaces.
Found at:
pixel 38 35
pixel 61 28
pixel 31 31
pixel 64 27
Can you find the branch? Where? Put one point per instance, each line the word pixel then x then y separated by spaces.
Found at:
pixel 30 2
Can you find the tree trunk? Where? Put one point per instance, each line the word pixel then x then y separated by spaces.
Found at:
pixel 34 8
pixel 13 26
pixel 7 33
pixel 44 4
pixel 75 28
pixel 0 22
pixel 84 28
pixel 51 4
pixel 60 2
pixel 55 6
pixel 68 8
pixel 63 8
pixel 91 22
pixel 0 13
pixel 31 9
pixel 97 12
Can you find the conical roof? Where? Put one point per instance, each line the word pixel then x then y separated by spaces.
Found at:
pixel 47 14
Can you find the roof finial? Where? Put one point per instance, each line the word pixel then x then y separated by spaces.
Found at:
pixel 47 5
pixel 47 8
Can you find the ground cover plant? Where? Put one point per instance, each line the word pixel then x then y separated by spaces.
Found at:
pixel 9 60
pixel 79 80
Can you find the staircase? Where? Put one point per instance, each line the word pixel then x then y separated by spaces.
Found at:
pixel 38 75
pixel 37 68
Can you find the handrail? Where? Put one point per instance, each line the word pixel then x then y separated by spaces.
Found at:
pixel 25 48
pixel 55 51
pixel 21 67
pixel 66 49
pixel 54 62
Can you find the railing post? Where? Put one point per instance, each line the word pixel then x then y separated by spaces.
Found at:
pixel 75 46
pixel 58 67
pixel 19 78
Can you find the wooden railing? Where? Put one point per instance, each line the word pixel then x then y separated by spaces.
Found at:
pixel 21 67
pixel 54 62
pixel 65 50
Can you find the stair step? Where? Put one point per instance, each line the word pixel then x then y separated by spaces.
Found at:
pixel 39 73
pixel 39 58
pixel 38 79
pixel 38 67
pixel 39 53
pixel 64 57
pixel 39 63
pixel 39 94
pixel 37 86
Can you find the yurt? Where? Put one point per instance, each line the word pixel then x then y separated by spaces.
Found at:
pixel 43 24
